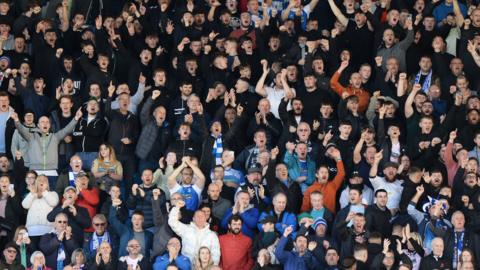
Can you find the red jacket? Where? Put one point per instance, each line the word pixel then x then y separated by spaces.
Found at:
pixel 89 199
pixel 236 252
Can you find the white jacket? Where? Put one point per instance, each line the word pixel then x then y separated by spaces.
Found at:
pixel 38 209
pixel 194 238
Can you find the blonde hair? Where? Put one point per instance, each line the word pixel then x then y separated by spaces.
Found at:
pixel 417 238
pixel 112 157
pixel 198 263
pixel 40 178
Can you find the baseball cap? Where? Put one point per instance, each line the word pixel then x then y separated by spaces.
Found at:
pixel 69 188
pixel 390 164
pixel 255 169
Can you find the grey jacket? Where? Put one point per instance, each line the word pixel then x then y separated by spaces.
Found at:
pixel 163 232
pixel 398 51
pixel 152 135
pixel 43 148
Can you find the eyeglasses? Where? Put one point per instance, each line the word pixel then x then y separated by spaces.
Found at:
pixel 99 224
pixel 11 251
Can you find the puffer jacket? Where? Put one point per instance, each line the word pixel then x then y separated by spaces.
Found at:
pixel 43 148
pixel 38 209
pixel 193 237
pixel 152 135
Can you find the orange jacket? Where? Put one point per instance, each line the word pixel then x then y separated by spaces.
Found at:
pixel 362 94
pixel 329 191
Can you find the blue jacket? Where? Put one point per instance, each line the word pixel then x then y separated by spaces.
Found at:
pixel 126 234
pixel 162 262
pixel 249 220
pixel 442 10
pixel 293 165
pixel 286 219
pixel 292 261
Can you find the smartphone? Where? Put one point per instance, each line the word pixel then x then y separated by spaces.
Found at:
pixel 11 187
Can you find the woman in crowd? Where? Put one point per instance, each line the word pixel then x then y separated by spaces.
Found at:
pixel 39 202
pixel 204 260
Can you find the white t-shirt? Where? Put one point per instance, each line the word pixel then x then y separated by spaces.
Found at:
pixel 132 262
pixel 275 96
pixel 395 152
pixel 394 190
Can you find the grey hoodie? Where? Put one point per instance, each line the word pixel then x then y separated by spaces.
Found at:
pixel 43 148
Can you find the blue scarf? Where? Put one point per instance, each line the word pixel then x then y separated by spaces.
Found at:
pixel 458 247
pixel 71 178
pixel 97 240
pixel 217 150
pixel 426 83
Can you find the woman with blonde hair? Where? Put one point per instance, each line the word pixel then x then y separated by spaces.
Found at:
pixel 204 260
pixel 105 259
pixel 39 202
pixel 106 168
pixel 414 248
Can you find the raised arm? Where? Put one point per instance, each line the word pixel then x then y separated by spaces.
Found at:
pixel 172 179
pixel 312 4
pixel 337 181
pixel 337 12
pixel 458 13
pixel 357 155
pixel 411 209
pixel 200 183
pixel 138 97
pixel 334 81
pixel 472 49
pixel 70 127
pixel 260 87
pixel 374 169
pixel 24 131
pixel 409 102
pixel 286 11
pixel 173 219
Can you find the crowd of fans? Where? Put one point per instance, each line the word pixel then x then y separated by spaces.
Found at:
pixel 239 134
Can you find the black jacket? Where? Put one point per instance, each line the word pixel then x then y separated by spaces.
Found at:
pixel 291 189
pixel 87 137
pixel 49 245
pixel 378 220
pixel 11 220
pixel 78 223
pixel 122 126
pixel 430 262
